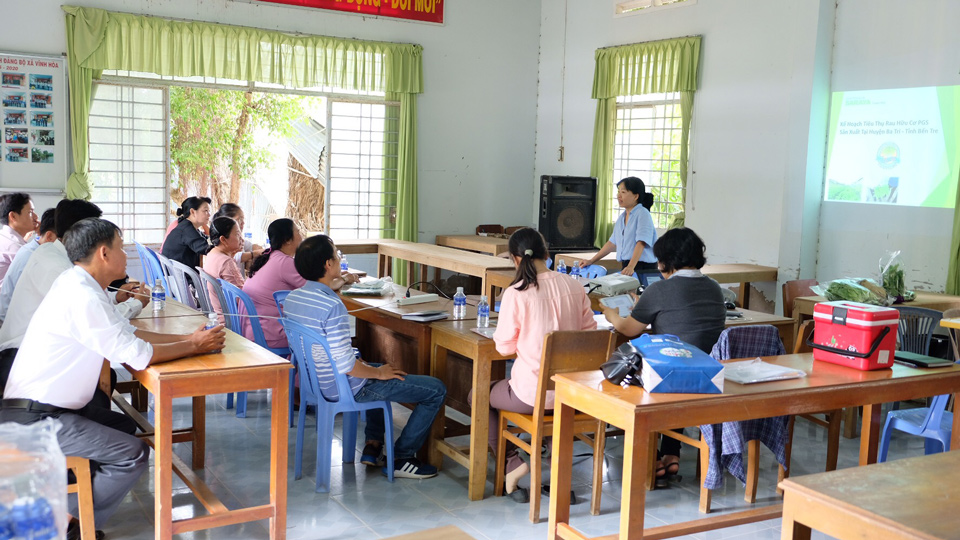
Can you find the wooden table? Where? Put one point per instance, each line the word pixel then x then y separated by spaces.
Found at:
pixel 428 255
pixel 473 242
pixel 908 498
pixel 744 274
pixel 457 337
pixel 241 366
pixel 827 387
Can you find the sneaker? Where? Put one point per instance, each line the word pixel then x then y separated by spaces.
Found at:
pixel 373 455
pixel 412 468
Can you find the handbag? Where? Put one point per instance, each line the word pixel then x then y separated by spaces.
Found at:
pixel 624 366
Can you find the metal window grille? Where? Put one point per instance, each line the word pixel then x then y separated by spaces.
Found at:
pixel 647 145
pixel 362 174
pixel 128 159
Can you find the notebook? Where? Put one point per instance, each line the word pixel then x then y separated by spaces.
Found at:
pixel 919 360
pixel 425 316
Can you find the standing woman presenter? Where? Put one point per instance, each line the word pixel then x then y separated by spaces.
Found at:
pixel 633 233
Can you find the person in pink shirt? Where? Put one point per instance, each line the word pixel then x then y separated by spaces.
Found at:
pixel 219 263
pixel 18 219
pixel 538 302
pixel 273 271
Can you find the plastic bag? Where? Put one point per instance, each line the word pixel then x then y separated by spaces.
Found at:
pixel 892 278
pixel 861 290
pixel 33 481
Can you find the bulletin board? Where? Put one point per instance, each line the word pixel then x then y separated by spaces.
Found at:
pixel 33 120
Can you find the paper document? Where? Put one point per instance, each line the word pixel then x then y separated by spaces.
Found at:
pixel 367 287
pixel 485 332
pixel 602 323
pixel 425 316
pixel 622 302
pixel 756 370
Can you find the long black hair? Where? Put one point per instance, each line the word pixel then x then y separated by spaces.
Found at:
pixel 635 185
pixel 279 232
pixel 222 226
pixel 191 203
pixel 529 245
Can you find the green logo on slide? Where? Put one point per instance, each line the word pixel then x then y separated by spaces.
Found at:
pixel 888 155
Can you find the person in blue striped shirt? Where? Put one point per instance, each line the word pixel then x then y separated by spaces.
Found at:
pixel 317 306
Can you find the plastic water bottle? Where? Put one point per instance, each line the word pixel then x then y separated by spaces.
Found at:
pixel 159 297
pixel 483 313
pixel 459 304
pixel 561 267
pixel 43 521
pixel 212 321
pixel 248 237
pixel 575 270
pixel 344 266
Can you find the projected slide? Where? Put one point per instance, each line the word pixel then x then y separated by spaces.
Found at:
pixel 894 147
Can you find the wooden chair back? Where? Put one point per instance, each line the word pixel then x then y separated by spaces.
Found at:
pixel 510 230
pixel 794 289
pixel 567 351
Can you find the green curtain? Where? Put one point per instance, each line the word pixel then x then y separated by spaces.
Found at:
pixel 400 174
pixel 81 93
pixel 642 68
pixel 99 40
pixel 953 269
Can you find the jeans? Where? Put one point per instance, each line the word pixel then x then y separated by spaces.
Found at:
pixel 427 393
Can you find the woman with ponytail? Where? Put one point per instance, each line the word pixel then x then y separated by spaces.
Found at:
pixel 273 271
pixel 186 243
pixel 219 263
pixel 538 302
pixel 633 234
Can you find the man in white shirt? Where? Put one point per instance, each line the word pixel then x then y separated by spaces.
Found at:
pixel 45 234
pixel 58 365
pixel 18 219
pixel 43 268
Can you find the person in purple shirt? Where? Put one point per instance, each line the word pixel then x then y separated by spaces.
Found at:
pixel 17 220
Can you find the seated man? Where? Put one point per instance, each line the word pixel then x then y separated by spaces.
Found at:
pixel 19 220
pixel 316 305
pixel 58 365
pixel 46 234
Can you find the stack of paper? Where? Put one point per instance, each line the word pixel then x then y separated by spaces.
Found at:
pixel 373 287
pixel 425 316
pixel 756 370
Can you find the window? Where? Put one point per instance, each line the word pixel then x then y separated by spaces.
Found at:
pixel 647 145
pixel 362 172
pixel 128 159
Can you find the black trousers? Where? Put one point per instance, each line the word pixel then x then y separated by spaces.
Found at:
pixel 105 438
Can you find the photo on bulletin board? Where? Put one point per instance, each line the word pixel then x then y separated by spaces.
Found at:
pixel 33 109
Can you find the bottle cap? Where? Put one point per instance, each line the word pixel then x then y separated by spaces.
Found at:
pixel 459 289
pixel 158 282
pixel 483 298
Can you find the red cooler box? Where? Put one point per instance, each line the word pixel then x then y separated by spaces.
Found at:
pixel 855 335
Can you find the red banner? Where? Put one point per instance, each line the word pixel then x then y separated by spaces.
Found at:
pixel 415 10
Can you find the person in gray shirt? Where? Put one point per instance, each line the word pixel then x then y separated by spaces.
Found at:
pixel 686 304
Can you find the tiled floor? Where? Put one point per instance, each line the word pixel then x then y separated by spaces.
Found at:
pixel 363 504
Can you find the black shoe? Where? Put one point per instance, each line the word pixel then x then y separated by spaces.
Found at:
pixel 412 468
pixel 372 455
pixel 73 531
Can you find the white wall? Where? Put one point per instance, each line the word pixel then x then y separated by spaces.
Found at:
pixel 891 44
pixel 476 117
pixel 753 103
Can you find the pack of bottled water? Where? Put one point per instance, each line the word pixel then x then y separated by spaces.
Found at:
pixel 33 482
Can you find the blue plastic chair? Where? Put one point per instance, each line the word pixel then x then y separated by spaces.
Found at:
pixel 303 341
pixel 593 271
pixel 176 288
pixel 233 296
pixel 933 423
pixel 549 263
pixel 152 270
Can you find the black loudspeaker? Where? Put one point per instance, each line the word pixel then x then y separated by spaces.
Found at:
pixel 567 210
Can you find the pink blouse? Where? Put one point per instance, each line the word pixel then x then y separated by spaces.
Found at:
pixel 559 303
pixel 221 266
pixel 278 274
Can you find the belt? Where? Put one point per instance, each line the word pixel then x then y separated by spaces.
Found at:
pixel 31 405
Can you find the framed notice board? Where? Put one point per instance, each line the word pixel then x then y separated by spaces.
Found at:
pixel 33 121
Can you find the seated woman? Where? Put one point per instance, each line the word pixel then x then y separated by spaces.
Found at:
pixel 219 262
pixel 686 304
pixel 537 302
pixel 249 251
pixel 186 243
pixel 273 271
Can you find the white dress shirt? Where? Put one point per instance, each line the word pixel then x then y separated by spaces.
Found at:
pixel 45 265
pixel 75 328
pixel 10 243
pixel 14 271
